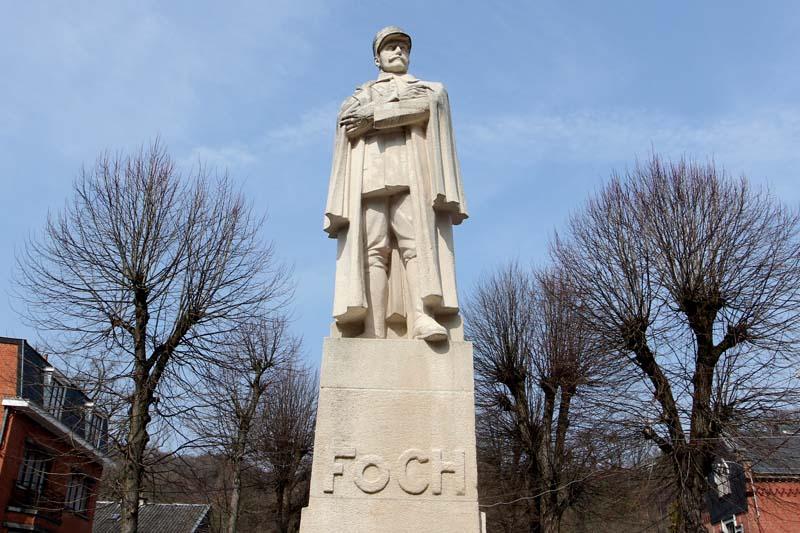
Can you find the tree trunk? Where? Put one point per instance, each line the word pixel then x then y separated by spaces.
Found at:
pixel 557 501
pixel 690 500
pixel 530 439
pixel 236 459
pixel 134 465
pixel 535 512
pixel 548 475
pixel 696 461
pixel 283 526
pixel 551 523
pixel 236 492
pixel 130 500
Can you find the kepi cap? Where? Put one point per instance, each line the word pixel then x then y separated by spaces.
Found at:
pixel 386 32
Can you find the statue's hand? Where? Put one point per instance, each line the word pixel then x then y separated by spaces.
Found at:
pixel 357 120
pixel 415 90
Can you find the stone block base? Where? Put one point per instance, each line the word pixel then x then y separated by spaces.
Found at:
pixel 394 449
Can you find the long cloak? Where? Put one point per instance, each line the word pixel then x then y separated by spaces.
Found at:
pixel 437 193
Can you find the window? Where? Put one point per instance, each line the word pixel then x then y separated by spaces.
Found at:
pixel 78 491
pixel 722 478
pixel 33 470
pixel 94 428
pixel 54 393
pixel 730 526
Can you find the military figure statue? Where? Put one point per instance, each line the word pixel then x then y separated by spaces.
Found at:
pixel 395 192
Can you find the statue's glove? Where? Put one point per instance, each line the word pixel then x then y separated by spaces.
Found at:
pixel 415 90
pixel 357 120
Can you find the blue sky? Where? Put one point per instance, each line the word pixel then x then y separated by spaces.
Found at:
pixel 548 98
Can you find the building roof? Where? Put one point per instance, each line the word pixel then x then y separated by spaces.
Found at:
pixel 768 454
pixel 778 455
pixel 153 517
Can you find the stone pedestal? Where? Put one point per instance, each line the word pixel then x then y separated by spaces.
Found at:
pixel 394 450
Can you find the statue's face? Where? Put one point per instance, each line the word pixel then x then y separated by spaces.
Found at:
pixel 393 55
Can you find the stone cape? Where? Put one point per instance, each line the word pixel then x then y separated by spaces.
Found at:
pixel 436 186
pixel 394 449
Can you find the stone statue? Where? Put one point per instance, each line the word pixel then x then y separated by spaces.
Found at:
pixel 395 192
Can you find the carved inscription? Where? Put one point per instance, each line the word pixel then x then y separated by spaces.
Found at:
pixel 407 482
pixel 372 462
pixel 415 471
pixel 337 469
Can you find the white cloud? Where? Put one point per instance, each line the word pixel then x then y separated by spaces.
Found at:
pixel 89 77
pixel 309 128
pixel 770 135
pixel 231 156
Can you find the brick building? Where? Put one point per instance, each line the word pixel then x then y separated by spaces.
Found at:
pixel 52 442
pixel 756 487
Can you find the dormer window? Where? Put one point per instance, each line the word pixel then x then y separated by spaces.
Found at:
pixel 722 477
pixel 54 392
pixel 93 428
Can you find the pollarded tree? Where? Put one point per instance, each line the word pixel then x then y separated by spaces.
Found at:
pixel 692 279
pixel 534 361
pixel 285 440
pixel 258 358
pixel 147 268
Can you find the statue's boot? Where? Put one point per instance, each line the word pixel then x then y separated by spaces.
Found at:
pixel 425 327
pixel 375 321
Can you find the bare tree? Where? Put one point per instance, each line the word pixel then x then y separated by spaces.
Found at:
pixel 692 280
pixel 503 486
pixel 148 269
pixel 286 441
pixel 258 356
pixel 532 356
